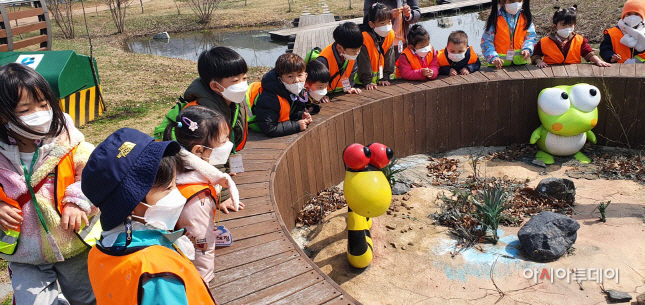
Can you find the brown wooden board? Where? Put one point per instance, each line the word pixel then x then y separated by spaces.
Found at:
pixel 419 135
pixel 611 134
pixel 24 14
pixel 281 290
pixel 630 115
pixel 628 70
pixel 341 300
pixel 230 275
pixel 255 229
pixel 297 189
pixel 249 243
pixel 252 177
pixel 408 124
pixel 258 281
pixel 252 254
pixel 640 140
pixel 316 152
pixel 378 117
pixel 368 123
pixel 334 155
pixel 310 162
pixel 388 124
pixel 585 70
pixel 341 143
pixel 250 209
pixel 316 294
pixel 326 158
pixel 358 125
pixel 249 220
pixel 614 70
pixel 398 125
pixel 572 70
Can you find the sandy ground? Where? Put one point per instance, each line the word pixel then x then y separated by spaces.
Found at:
pixel 413 264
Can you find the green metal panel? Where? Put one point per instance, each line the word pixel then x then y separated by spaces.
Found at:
pixel 66 71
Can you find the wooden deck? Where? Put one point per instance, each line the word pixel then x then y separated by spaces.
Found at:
pixel 311 20
pixel 283 34
pixel 490 107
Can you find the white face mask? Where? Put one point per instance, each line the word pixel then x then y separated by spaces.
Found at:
pixel 423 51
pixel 318 94
pixel 39 121
pixel 456 57
pixel 513 8
pixel 219 155
pixel 383 30
pixel 165 213
pixel 295 88
pixel 235 93
pixel 564 33
pixel 633 20
pixel 350 57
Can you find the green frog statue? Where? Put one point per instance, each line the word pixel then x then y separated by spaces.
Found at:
pixel 567 113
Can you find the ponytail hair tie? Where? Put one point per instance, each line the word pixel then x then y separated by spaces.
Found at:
pixel 192 125
pixel 179 124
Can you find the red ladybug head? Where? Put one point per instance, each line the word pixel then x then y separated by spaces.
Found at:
pixel 356 156
pixel 381 155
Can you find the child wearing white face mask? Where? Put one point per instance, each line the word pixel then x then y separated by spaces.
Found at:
pixel 458 57
pixel 625 43
pixel 376 60
pixel 509 36
pixel 203 133
pixel 340 58
pixel 564 46
pixel 280 106
pixel 419 60
pixel 316 85
pixel 131 178
pixel 45 220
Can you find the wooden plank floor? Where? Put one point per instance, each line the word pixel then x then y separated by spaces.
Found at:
pixel 425 11
pixel 264 265
pixel 310 20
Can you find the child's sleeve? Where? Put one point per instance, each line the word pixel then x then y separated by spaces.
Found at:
pixel 196 217
pixel 267 111
pixel 537 53
pixel 434 64
pixel 73 192
pixel 445 70
pixel 163 290
pixel 390 62
pixel 406 70
pixel 586 51
pixel 474 67
pixel 488 45
pixel 364 66
pixel 606 48
pixel 530 40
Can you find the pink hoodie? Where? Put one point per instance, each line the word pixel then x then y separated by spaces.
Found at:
pixel 408 73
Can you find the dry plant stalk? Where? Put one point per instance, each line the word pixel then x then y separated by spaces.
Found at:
pixel 203 9
pixel 61 10
pixel 118 9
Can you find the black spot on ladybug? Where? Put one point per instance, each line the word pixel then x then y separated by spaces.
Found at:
pixel 390 153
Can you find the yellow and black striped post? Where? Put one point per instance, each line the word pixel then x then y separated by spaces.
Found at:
pixel 83 106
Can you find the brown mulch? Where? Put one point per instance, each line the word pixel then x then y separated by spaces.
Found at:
pixel 626 165
pixel 443 170
pixel 324 203
pixel 516 152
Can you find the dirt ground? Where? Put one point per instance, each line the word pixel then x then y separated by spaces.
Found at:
pixel 413 262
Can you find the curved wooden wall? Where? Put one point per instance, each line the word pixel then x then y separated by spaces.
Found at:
pixel 490 107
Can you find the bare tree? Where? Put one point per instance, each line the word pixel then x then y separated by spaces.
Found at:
pixel 203 9
pixel 62 13
pixel 118 9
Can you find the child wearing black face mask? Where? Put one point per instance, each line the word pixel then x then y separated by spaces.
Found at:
pixel 45 220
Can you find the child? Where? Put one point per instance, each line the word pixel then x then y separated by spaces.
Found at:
pixel 222 86
pixel 458 57
pixel 563 41
pixel 376 59
pixel 616 46
pixel 207 139
pixel 340 57
pixel 317 82
pixel 280 107
pixel 131 178
pixel 509 17
pixel 419 60
pixel 46 222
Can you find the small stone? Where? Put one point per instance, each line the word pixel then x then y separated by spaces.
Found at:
pixel 409 208
pixel 410 228
pixel 420 228
pixel 389 212
pixel 403 204
pixel 396 209
pixel 390 227
pixel 162 36
pixel 403 248
pixel 618 296
pixel 557 188
pixel 393 245
pixel 406 197
pixel 547 236
pixel 640 299
pixel 410 244
pixel 400 188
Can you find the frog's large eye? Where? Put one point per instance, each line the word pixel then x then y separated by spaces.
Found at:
pixel 554 101
pixel 585 97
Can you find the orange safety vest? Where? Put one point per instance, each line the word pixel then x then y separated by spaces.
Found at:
pixel 624 51
pixel 414 61
pixel 376 58
pixel 117 279
pixel 553 55
pixel 335 83
pixel 443 58
pixel 64 175
pixel 503 40
pixel 189 191
pixel 254 92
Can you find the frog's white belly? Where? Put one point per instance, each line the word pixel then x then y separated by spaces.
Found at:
pixel 564 146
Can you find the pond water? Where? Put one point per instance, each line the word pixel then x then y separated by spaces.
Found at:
pixel 440 29
pixel 255 46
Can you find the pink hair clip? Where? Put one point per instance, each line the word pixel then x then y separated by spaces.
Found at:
pixel 192 125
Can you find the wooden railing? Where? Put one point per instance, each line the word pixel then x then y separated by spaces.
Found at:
pixel 13 24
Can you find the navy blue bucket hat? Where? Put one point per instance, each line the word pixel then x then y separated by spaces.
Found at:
pixel 120 173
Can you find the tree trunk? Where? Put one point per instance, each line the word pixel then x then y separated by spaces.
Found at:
pixel 141 1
